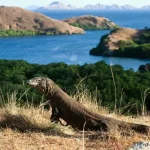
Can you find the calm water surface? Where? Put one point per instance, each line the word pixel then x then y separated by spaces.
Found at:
pixel 72 49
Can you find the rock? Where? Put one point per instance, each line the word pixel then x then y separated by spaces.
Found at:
pixel 143 68
pixel 140 146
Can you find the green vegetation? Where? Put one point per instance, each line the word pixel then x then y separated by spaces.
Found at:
pixel 130 85
pixel 135 51
pixel 100 49
pixel 88 27
pixel 12 32
pixel 92 27
pixel 136 48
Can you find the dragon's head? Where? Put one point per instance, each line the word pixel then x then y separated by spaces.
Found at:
pixel 45 85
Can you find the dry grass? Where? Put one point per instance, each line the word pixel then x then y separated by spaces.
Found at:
pixel 123 34
pixel 28 127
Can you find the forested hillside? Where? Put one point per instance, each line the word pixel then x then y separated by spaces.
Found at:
pixel 126 87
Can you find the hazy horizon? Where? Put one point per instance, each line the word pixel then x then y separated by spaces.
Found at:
pixel 76 3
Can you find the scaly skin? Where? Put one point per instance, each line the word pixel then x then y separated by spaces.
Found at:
pixel 75 114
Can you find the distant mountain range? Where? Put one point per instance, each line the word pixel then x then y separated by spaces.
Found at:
pixel 109 7
pixel 60 6
pixel 56 6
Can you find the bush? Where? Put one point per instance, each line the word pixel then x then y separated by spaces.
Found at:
pixel 134 51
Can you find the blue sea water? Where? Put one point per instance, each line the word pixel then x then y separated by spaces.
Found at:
pixel 132 19
pixel 73 49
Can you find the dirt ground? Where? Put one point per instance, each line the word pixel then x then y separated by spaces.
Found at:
pixel 14 140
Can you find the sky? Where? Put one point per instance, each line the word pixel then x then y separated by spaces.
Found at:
pixel 78 3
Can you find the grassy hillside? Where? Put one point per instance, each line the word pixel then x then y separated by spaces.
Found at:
pixel 18 21
pixel 89 22
pixel 124 42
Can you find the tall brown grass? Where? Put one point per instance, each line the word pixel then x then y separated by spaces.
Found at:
pixel 30 119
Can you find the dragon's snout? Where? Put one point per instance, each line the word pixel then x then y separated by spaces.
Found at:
pixel 28 81
pixel 31 83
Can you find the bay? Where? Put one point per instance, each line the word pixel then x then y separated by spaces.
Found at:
pixel 73 49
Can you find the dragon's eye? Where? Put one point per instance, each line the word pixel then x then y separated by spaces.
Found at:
pixel 38 80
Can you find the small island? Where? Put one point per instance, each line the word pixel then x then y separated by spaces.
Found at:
pixel 124 42
pixel 89 22
pixel 15 21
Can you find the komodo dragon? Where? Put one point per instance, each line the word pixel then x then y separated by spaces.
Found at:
pixel 55 114
pixel 75 114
